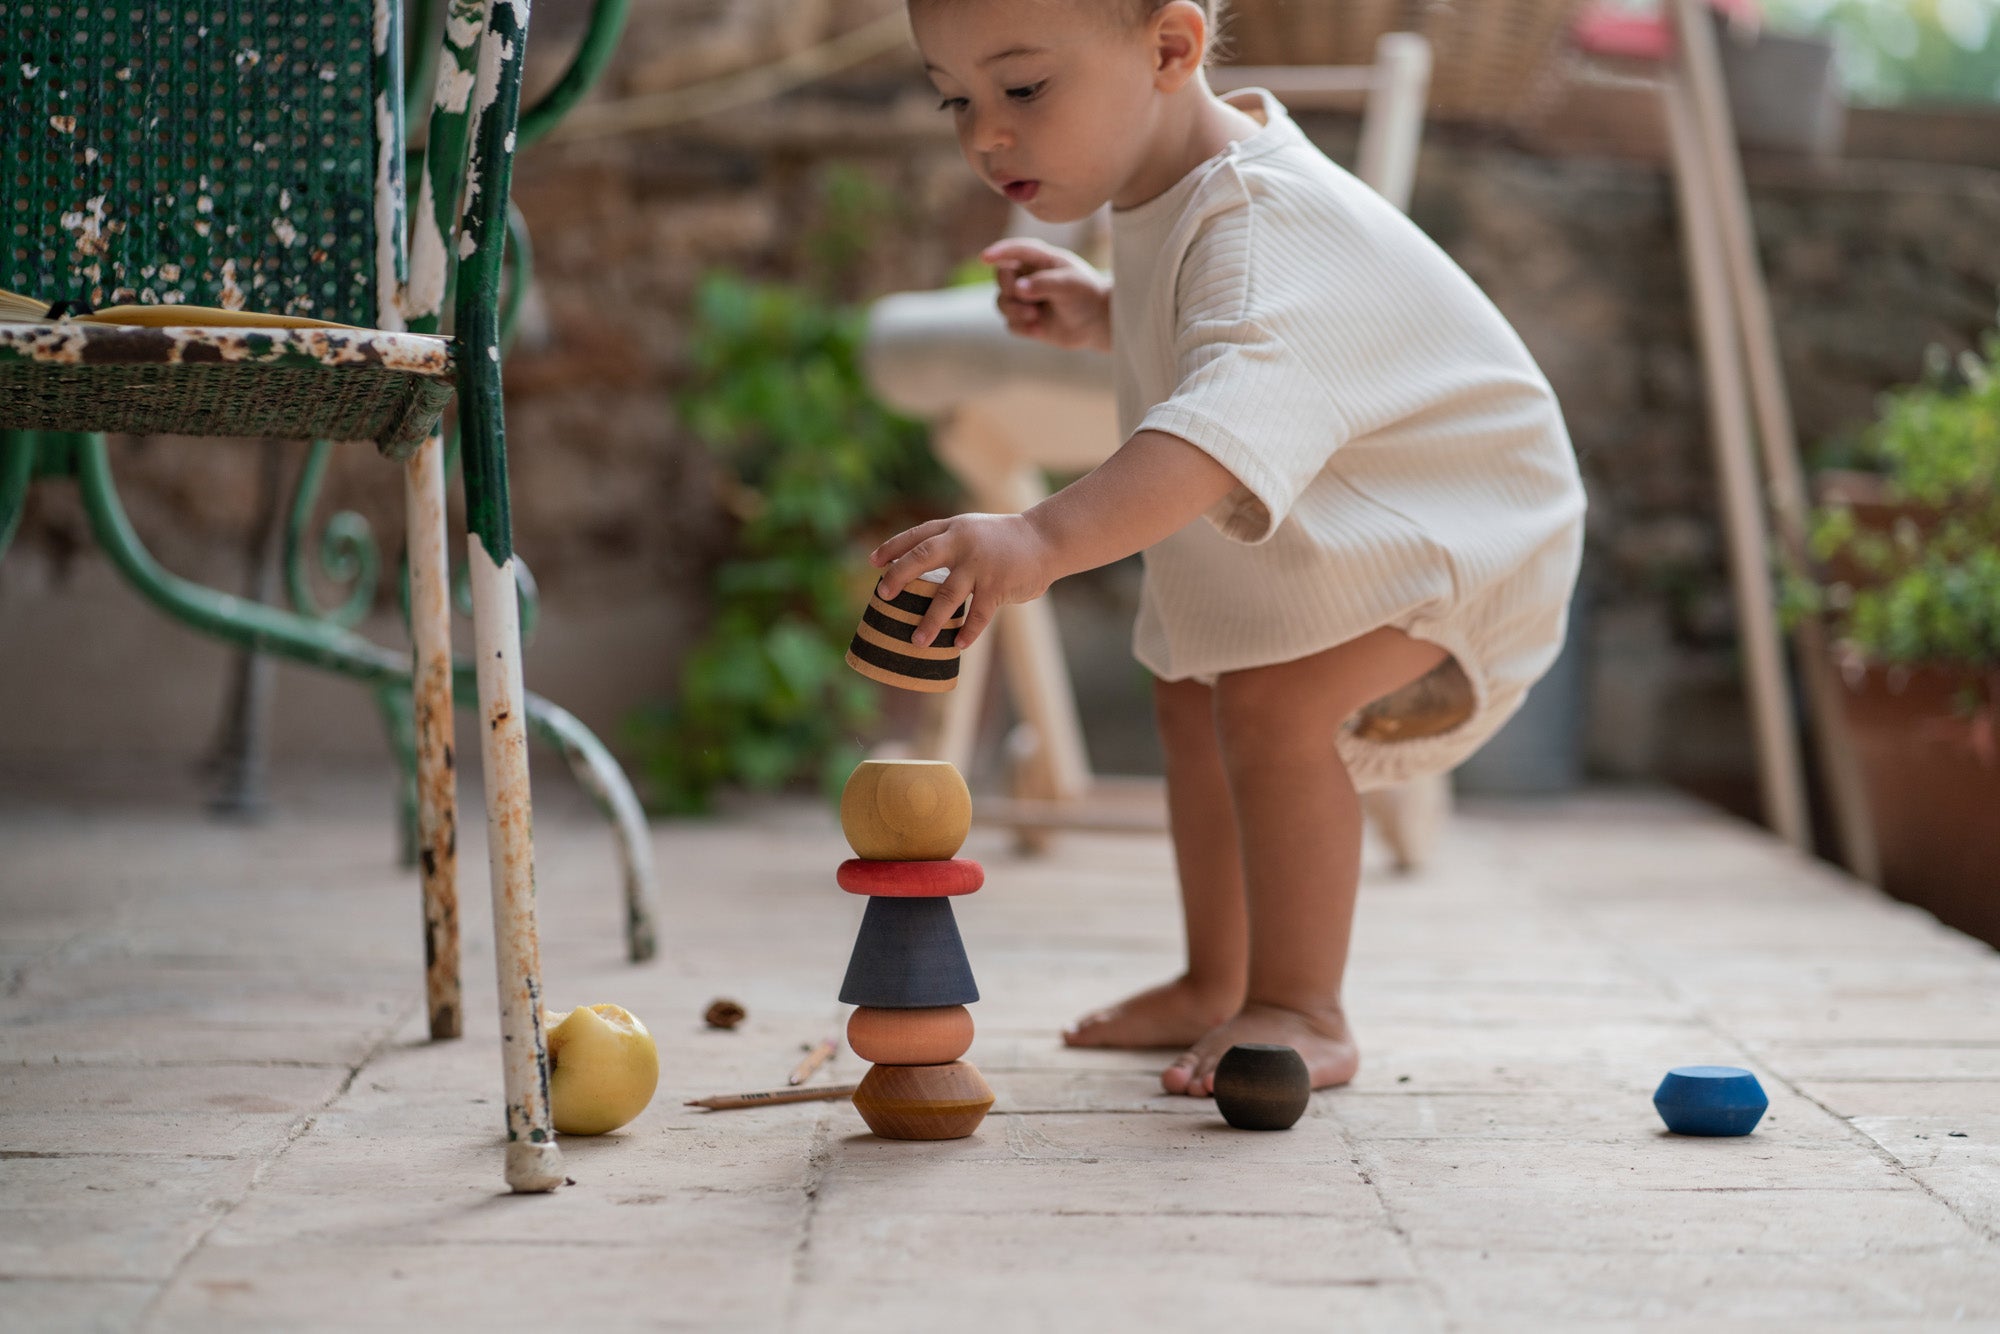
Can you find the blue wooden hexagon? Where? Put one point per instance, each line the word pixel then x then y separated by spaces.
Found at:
pixel 1710 1100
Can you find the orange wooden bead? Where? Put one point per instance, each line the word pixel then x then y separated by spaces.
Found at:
pixel 930 1036
pixel 923 1101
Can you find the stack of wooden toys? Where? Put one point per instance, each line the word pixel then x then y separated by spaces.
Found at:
pixel 906 820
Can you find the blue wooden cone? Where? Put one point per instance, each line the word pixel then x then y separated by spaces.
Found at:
pixel 908 956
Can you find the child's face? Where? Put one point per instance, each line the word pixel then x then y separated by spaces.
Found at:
pixel 1052 98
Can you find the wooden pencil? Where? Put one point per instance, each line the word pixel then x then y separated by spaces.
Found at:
pixel 813 1060
pixel 766 1097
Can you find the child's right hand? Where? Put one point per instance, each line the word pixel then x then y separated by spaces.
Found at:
pixel 1051 294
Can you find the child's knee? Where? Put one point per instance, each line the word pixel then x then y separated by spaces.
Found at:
pixel 1183 704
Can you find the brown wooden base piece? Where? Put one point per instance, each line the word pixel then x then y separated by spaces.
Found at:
pixel 923 1101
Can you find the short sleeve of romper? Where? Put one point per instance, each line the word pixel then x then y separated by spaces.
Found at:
pixel 1400 459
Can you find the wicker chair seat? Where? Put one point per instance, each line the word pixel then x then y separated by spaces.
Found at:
pixel 327 384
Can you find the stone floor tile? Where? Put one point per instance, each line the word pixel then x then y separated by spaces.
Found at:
pixel 1948 1141
pixel 1496 1164
pixel 1075 1299
pixel 725 1278
pixel 95 1305
pixel 111 1217
pixel 1663 1162
pixel 172 1133
pixel 1915 1061
pixel 1630 1118
pixel 1497 1287
pixel 253 1090
pixel 1959 1097
pixel 1972 1189
pixel 1563 1220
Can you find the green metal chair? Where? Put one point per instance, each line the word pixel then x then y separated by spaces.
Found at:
pixel 250 154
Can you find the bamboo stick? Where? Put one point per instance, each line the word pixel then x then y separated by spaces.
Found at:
pixel 1781 783
pixel 1839 769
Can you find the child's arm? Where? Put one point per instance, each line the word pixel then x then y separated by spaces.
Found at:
pixel 1050 294
pixel 1155 485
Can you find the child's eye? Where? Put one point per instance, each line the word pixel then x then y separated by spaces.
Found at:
pixel 1027 93
pixel 952 104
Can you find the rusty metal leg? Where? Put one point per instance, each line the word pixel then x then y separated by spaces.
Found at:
pixel 533 1161
pixel 437 770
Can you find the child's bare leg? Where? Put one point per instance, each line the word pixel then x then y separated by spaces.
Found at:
pixel 1178 1013
pixel 1298 819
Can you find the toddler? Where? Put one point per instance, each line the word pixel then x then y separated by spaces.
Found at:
pixel 1360 512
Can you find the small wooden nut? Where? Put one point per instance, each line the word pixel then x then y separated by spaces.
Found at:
pixel 931 1036
pixel 1262 1086
pixel 905 810
pixel 723 1013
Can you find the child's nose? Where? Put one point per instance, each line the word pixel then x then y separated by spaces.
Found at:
pixel 991 133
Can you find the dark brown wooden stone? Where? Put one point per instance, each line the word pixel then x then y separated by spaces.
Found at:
pixel 1261 1086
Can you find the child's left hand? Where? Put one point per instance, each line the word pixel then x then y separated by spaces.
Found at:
pixel 994 559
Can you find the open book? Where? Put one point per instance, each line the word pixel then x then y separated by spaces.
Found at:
pixel 18 309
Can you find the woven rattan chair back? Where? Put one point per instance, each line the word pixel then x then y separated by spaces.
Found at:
pixel 215 152
pixel 1492 59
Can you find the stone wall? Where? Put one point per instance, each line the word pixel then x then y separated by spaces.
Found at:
pixel 615 505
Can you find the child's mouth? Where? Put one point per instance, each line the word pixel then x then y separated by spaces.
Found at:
pixel 1021 191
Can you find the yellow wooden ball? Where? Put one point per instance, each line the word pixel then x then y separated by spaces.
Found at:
pixel 905 810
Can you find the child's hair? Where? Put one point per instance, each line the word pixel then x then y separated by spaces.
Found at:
pixel 1138 11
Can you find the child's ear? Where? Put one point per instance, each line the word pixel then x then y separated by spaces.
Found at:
pixel 1180 42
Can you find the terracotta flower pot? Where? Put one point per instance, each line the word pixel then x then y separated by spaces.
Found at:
pixel 1933 779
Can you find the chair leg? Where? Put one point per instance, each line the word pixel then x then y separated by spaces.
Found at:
pixel 598 773
pixel 399 726
pixel 533 1161
pixel 1410 817
pixel 431 703
pixel 17 465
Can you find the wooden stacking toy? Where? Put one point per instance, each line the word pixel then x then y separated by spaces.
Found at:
pixel 1710 1100
pixel 908 976
pixel 905 810
pixel 1262 1086
pixel 881 649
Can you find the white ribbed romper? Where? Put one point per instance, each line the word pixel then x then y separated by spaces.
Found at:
pixel 1402 461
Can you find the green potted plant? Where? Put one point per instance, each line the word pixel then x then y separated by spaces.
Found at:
pixel 1906 578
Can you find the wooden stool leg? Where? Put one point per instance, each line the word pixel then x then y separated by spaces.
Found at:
pixel 533 1161
pixel 1410 816
pixel 437 776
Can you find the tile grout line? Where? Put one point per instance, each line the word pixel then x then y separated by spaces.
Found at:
pixel 1425 1282
pixel 298 1131
pixel 817 1159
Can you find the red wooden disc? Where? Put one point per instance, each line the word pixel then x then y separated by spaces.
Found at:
pixel 910 880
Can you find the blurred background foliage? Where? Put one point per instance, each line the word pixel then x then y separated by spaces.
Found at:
pixel 1904 51
pixel 815 472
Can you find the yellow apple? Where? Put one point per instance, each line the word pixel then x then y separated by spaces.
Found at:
pixel 603 1068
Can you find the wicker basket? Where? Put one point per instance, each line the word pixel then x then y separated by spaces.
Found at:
pixel 1494 60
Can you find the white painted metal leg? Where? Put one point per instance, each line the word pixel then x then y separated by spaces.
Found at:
pixel 437 772
pixel 598 773
pixel 533 1161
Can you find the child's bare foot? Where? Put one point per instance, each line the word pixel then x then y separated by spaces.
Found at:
pixel 1319 1036
pixel 1173 1014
